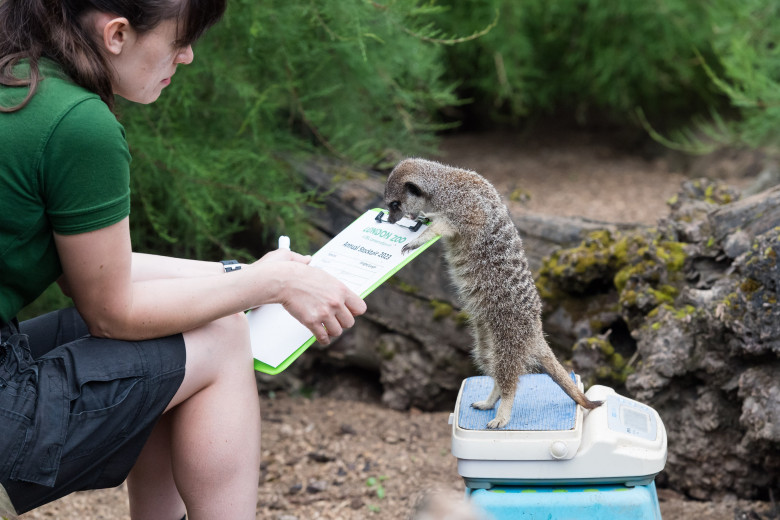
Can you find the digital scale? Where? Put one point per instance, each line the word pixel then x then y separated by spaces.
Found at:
pixel 555 459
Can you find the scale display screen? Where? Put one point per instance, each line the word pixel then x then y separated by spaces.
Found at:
pixel 632 418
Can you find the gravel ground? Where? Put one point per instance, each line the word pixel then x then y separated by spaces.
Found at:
pixel 344 456
pixel 336 459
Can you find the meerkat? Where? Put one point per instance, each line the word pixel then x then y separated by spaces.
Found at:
pixel 490 271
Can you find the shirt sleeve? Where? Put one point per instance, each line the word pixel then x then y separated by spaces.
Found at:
pixel 85 170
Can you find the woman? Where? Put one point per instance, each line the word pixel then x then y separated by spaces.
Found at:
pixel 150 378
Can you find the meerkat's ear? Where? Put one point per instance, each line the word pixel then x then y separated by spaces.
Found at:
pixel 413 189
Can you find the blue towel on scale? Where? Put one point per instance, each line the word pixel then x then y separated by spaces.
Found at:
pixel 540 405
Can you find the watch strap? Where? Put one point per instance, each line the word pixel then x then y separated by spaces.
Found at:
pixel 230 265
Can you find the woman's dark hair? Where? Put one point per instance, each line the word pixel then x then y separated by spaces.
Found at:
pixel 31 29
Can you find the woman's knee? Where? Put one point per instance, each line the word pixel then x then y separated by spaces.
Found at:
pixel 223 342
pixel 216 353
pixel 232 331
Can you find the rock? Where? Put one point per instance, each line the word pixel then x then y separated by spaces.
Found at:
pixel 666 346
pixel 347 429
pixel 706 327
pixel 317 486
pixel 752 216
pixel 318 456
pixel 751 310
pixel 759 388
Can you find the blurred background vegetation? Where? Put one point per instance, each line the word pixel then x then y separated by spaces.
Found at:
pixel 370 81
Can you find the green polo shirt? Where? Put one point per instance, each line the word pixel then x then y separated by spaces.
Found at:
pixel 65 168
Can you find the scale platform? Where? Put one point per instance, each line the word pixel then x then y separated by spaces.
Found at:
pixel 549 440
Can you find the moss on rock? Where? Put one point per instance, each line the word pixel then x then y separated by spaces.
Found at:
pixel 608 366
pixel 441 309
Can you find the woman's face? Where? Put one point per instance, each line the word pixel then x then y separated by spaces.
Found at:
pixel 146 62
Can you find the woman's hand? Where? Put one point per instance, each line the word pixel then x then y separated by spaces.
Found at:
pixel 313 297
pixel 285 255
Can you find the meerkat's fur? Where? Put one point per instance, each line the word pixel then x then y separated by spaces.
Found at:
pixel 490 271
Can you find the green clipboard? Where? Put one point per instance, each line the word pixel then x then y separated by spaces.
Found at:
pixel 363 256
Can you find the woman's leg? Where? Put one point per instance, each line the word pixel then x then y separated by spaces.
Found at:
pixel 213 428
pixel 152 490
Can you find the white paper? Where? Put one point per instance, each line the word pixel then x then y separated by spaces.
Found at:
pixel 359 256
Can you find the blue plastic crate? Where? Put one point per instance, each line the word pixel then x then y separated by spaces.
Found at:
pixel 597 502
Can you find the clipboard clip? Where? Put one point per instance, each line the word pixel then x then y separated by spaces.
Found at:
pixel 416 226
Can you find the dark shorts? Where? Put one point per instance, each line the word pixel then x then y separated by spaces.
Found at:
pixel 75 411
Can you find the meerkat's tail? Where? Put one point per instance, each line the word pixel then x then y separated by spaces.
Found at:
pixel 552 367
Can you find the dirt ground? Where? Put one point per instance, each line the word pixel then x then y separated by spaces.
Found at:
pixel 600 176
pixel 342 455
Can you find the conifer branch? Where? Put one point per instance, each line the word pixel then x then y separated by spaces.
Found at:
pixel 302 113
pixel 454 41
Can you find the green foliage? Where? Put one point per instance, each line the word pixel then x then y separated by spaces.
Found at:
pixel 376 484
pixel 194 200
pixel 366 81
pixel 355 79
pixel 581 56
pixel 750 59
pixel 746 69
pixel 51 299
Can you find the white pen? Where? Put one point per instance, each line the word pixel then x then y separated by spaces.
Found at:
pixel 284 242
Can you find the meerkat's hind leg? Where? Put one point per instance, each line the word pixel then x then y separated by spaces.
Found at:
pixel 482 360
pixel 506 389
pixel 490 402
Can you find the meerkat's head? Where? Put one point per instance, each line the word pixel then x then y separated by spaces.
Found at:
pixel 409 188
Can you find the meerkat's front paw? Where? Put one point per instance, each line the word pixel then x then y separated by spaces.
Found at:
pixel 417 242
pixel 408 248
pixel 414 244
pixel 483 405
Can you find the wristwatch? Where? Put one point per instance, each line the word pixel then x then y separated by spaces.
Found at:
pixel 230 265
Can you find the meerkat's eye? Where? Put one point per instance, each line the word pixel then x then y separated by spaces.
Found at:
pixel 394 206
pixel 413 189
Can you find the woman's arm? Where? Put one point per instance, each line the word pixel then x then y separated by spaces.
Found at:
pixel 155 267
pixel 98 269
